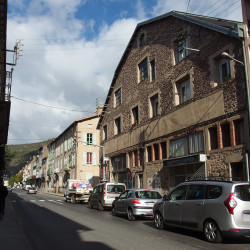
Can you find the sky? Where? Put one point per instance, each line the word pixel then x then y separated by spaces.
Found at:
pixel 69 51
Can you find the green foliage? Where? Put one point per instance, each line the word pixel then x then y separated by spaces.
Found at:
pixel 16 156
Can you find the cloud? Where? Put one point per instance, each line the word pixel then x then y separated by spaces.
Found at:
pixel 60 68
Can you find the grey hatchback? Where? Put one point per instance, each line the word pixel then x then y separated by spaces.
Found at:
pixel 217 208
pixel 135 202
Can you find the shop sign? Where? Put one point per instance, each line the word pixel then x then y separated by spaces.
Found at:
pixel 185 160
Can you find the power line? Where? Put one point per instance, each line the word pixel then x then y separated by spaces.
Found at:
pixel 33 124
pixel 48 106
pixel 227 8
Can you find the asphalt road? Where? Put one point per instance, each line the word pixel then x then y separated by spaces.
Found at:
pixel 48 222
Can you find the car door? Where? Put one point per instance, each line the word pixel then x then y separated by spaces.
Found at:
pixel 172 206
pixel 95 195
pixel 193 205
pixel 119 205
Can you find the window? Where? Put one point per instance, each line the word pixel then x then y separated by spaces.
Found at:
pixel 190 144
pixel 178 147
pixel 89 139
pixel 164 150
pixel 184 91
pixel 225 132
pixel 149 153
pixel 182 52
pixel 89 158
pixel 178 193
pixel 152 69
pixel 195 192
pixel 238 130
pixel 143 70
pixel 105 132
pixel 213 192
pixel 156 152
pixel 118 97
pixel 154 105
pixel 135 115
pixel 224 68
pixel 195 143
pixel 213 138
pixel 118 125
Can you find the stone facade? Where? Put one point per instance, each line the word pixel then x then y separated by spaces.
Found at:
pixel 145 153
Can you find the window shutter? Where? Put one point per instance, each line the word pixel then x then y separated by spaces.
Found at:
pixel 84 158
pixel 94 139
pixel 94 159
pixel 84 138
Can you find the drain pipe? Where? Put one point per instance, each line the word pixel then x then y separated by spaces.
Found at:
pixel 248 104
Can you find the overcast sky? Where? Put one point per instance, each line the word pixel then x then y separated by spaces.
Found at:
pixel 71 49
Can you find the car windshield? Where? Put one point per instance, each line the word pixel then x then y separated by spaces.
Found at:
pixel 242 192
pixel 117 189
pixel 147 194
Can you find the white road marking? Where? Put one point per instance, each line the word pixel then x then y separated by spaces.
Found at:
pixel 57 202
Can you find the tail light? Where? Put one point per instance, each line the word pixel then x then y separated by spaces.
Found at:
pixel 103 201
pixel 136 201
pixel 104 188
pixel 230 203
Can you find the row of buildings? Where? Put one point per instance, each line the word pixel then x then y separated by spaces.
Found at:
pixel 177 109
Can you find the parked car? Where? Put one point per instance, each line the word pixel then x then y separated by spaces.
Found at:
pixel 31 190
pixel 135 202
pixel 9 189
pixel 104 194
pixel 216 208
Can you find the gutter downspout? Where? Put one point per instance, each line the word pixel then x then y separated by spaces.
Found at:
pixel 248 103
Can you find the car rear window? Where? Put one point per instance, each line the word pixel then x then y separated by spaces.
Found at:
pixel 147 195
pixel 213 191
pixel 242 192
pixel 116 189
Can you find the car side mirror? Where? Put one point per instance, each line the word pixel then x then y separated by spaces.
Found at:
pixel 116 198
pixel 165 197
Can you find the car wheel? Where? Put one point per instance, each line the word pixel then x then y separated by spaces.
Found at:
pixel 113 211
pixel 73 199
pixel 100 206
pixel 131 217
pixel 158 220
pixel 212 232
pixel 90 205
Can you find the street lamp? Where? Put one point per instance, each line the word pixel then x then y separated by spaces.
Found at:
pixel 226 55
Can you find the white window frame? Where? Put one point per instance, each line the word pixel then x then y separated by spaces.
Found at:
pixel 154 109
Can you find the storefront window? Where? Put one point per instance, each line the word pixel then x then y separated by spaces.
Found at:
pixel 190 144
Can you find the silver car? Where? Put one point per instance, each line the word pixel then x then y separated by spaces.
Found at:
pixel 216 208
pixel 135 202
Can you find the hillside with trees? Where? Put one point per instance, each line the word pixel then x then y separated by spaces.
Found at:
pixel 17 155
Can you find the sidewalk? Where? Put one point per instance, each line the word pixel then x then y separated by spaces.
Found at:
pixel 12 236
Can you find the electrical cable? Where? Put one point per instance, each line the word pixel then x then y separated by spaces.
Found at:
pixel 48 106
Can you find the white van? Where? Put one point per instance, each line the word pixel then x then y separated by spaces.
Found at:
pixel 27 187
pixel 104 194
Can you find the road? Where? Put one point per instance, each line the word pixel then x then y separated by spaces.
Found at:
pixel 48 222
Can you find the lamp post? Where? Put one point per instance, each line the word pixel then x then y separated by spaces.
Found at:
pixel 226 55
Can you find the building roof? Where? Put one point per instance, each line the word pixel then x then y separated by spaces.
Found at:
pixel 226 27
pixel 74 123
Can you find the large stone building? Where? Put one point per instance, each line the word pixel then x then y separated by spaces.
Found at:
pixel 176 108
